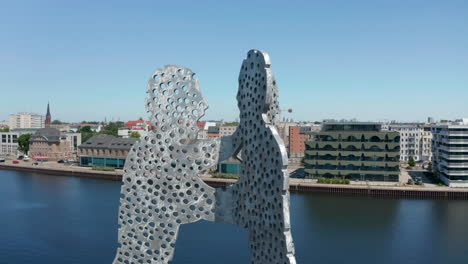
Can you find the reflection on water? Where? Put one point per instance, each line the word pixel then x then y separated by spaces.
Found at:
pixel 52 219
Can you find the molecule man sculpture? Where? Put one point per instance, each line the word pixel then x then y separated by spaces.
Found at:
pixel 161 185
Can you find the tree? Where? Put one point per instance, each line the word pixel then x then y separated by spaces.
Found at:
pixel 85 136
pixel 112 128
pixel 23 143
pixel 86 133
pixel 90 122
pixel 135 135
pixel 231 124
pixel 85 129
pixel 58 122
pixel 5 129
pixel 411 162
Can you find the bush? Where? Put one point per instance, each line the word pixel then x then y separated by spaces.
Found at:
pixel 226 176
pixel 103 169
pixel 333 181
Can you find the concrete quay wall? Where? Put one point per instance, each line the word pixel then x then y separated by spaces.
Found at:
pixel 295 185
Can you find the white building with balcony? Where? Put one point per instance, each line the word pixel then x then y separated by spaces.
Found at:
pixel 26 120
pixel 225 131
pixel 450 153
pixel 9 143
pixel 142 128
pixel 415 141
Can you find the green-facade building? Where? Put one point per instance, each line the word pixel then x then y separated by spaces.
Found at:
pixel 355 151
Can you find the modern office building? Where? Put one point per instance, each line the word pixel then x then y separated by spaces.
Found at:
pixel 9 143
pixel 355 151
pixel 450 153
pixel 105 151
pixel 213 131
pixel 415 141
pixel 26 120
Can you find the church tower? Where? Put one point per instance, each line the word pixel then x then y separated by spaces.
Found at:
pixel 48 118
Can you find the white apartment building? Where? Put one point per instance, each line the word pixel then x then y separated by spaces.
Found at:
pixel 142 128
pixel 8 143
pixel 202 134
pixel 26 120
pixel 74 139
pixel 225 131
pixel 450 153
pixel 415 141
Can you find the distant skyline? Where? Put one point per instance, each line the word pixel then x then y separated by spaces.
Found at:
pixel 333 59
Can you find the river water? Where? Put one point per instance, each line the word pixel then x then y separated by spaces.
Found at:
pixel 65 220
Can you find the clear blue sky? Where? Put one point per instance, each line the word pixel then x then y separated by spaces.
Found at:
pixel 370 60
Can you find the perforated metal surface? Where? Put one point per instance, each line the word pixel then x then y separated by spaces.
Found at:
pixel 259 201
pixel 161 188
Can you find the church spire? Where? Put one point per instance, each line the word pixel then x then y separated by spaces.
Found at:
pixel 48 117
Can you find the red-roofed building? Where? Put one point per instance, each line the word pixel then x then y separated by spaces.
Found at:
pixel 201 125
pixel 134 123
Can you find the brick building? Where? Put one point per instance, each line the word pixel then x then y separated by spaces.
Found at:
pixel 298 135
pixel 51 144
pixel 105 151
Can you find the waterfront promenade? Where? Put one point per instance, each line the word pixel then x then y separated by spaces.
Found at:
pixel 300 185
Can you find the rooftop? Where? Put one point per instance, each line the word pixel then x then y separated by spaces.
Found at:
pixel 351 126
pixel 109 142
pixel 49 134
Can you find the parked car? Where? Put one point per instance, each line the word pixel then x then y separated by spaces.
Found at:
pixel 2 160
pixel 410 181
pixel 15 162
pixel 419 181
pixel 61 161
pixel 35 164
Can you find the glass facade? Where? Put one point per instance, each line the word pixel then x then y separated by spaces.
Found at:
pixel 112 162
pixel 365 155
pixel 229 167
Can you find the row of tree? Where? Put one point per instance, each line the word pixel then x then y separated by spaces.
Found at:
pixel 110 129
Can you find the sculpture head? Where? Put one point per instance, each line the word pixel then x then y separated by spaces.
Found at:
pixel 257 94
pixel 175 102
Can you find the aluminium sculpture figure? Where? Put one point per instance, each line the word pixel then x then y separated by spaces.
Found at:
pixel 161 187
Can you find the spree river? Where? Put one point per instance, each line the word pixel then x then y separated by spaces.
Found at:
pixel 56 220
